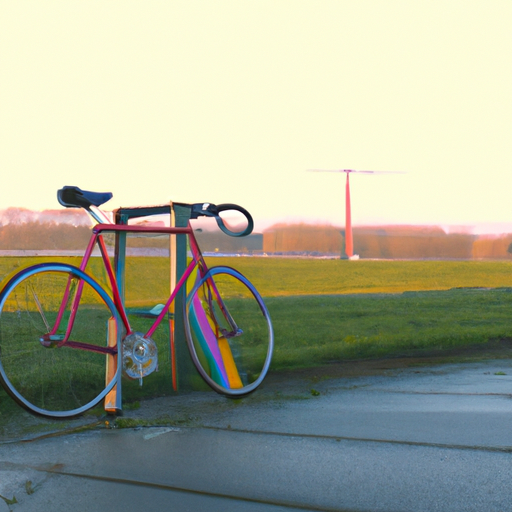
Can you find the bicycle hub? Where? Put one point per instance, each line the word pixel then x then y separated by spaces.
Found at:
pixel 139 356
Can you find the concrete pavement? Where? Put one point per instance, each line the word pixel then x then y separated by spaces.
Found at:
pixel 430 438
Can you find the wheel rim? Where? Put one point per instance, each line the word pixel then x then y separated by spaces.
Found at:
pixel 54 380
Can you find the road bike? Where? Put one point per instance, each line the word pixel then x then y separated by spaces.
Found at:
pixel 66 340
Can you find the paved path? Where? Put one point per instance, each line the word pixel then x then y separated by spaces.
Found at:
pixel 435 438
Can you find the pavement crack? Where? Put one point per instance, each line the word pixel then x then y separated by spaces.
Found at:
pixel 59 433
pixel 57 469
pixel 446 446
pixel 438 393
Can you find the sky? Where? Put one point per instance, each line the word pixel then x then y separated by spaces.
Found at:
pixel 233 101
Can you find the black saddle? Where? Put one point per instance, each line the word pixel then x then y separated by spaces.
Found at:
pixel 73 197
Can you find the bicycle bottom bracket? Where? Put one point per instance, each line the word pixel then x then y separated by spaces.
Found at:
pixel 139 356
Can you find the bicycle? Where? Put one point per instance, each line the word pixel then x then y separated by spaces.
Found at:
pixel 66 340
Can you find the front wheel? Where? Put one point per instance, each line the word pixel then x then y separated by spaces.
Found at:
pixel 58 340
pixel 229 331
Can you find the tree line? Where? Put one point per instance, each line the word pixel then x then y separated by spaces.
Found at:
pixel 69 229
pixel 388 242
pixel 41 235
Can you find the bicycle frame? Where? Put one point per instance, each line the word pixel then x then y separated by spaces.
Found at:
pixel 97 239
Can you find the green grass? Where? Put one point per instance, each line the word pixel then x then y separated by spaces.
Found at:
pixel 342 327
pixel 326 311
pixel 288 276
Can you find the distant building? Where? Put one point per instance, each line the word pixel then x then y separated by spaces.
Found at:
pixel 216 241
pixel 303 238
pixel 386 242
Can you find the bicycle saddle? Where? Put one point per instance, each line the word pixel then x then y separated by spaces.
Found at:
pixel 73 197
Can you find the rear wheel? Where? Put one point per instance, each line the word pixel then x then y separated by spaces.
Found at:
pixel 46 369
pixel 229 331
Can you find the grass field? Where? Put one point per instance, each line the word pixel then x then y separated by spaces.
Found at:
pixel 326 311
pixel 290 277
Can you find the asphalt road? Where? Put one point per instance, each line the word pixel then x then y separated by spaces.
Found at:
pixel 430 438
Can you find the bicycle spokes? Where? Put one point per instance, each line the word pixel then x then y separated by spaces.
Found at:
pixel 54 354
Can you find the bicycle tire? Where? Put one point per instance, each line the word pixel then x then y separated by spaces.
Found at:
pixel 57 380
pixel 232 363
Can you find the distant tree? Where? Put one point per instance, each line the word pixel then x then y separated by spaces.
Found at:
pixel 35 235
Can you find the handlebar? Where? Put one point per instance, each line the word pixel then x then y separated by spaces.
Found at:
pixel 74 197
pixel 212 210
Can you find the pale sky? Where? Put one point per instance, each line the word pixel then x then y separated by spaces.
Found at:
pixel 232 101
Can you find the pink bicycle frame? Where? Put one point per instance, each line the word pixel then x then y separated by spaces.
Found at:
pixel 97 238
